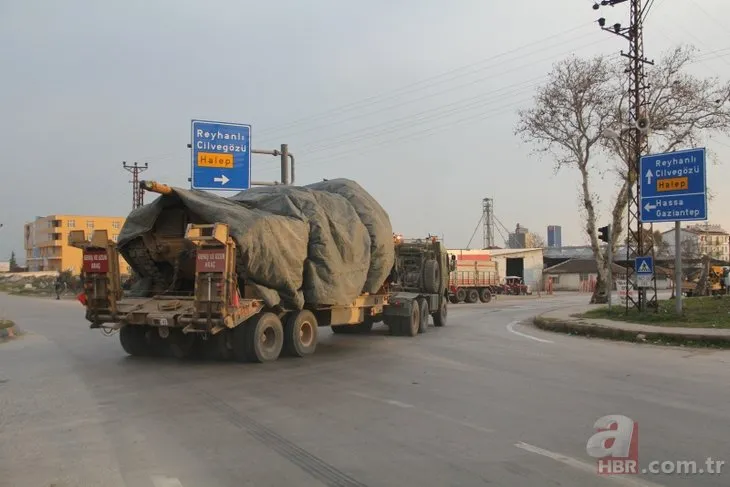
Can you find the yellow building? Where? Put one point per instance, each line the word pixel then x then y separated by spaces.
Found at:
pixel 46 241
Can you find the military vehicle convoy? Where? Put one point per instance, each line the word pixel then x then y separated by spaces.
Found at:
pixel 200 286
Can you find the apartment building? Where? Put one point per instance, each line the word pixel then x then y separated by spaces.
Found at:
pixel 700 239
pixel 46 241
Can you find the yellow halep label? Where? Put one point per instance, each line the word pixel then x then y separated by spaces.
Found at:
pixel 213 159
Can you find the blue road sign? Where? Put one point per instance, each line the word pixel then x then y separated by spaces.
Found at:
pixel 221 156
pixel 673 186
pixel 644 267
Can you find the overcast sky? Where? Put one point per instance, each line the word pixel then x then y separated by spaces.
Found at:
pixel 414 99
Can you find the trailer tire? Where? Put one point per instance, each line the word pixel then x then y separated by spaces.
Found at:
pixel 431 276
pixel 184 345
pixel 460 295
pixel 219 347
pixel 134 341
pixel 264 338
pixel 300 334
pixel 423 321
pixel 472 296
pixel 439 317
pixel 453 299
pixel 485 295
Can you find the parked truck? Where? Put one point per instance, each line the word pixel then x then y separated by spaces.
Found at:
pixel 473 278
pixel 210 305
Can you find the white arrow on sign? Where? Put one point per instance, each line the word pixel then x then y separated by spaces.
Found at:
pixel 649 175
pixel 223 179
pixel 649 207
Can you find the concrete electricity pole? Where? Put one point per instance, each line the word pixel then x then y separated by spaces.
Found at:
pixel 137 192
pixel 635 242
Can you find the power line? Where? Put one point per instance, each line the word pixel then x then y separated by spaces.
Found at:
pixel 409 87
pixel 137 193
pixel 361 114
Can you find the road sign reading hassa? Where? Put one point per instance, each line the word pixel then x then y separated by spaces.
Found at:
pixel 221 156
pixel 673 186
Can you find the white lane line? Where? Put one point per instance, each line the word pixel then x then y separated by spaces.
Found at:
pixel 164 481
pixel 511 329
pixel 423 411
pixel 585 467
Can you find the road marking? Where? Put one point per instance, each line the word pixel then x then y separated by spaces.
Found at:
pixel 586 467
pixel 164 481
pixel 511 329
pixel 423 411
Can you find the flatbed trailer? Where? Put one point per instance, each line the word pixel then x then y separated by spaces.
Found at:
pixel 223 317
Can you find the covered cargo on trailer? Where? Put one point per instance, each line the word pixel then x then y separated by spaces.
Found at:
pixel 321 244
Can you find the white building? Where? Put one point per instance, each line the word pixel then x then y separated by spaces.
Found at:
pixel 697 240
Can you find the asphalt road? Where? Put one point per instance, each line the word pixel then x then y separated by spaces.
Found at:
pixel 483 401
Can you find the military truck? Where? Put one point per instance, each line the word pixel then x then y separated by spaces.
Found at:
pixel 209 308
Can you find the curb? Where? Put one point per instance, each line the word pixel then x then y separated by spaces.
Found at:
pixel 594 330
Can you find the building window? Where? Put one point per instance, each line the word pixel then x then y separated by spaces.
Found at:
pixel 556 279
pixel 116 225
pixel 115 237
pixel 89 224
pixel 583 276
pixel 71 223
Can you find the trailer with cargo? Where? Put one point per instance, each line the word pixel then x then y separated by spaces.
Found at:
pixel 474 278
pixel 256 276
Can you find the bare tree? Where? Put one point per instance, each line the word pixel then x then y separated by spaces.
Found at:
pixel 535 241
pixel 584 97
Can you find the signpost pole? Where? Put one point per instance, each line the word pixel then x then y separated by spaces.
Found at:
pixel 609 284
pixel 285 164
pixel 677 269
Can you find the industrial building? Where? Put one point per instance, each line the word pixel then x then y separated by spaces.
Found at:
pixel 46 241
pixel 524 263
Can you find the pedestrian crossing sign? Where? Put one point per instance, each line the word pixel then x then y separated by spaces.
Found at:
pixel 644 265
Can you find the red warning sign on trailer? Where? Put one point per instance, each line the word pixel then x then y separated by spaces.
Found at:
pixel 96 261
pixel 211 260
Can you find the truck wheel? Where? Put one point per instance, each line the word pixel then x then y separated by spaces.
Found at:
pixel 472 296
pixel 423 321
pixel 460 295
pixel 439 317
pixel 183 345
pixel 264 338
pixel 134 341
pixel 485 295
pixel 431 276
pixel 219 347
pixel 300 334
pixel 453 299
pixel 411 325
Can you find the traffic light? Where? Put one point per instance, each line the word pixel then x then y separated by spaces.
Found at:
pixel 604 233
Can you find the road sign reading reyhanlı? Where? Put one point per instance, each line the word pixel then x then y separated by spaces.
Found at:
pixel 644 267
pixel 673 186
pixel 221 156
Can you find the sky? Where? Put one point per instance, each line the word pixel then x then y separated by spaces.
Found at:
pixel 416 100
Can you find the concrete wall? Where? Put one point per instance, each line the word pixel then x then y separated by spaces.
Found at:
pixel 572 282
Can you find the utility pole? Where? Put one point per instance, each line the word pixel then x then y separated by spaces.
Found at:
pixel 488 223
pixel 635 242
pixel 137 192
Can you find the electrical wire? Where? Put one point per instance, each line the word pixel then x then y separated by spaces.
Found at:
pixel 426 81
pixel 415 119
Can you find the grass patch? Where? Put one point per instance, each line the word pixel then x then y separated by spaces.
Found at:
pixel 699 312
